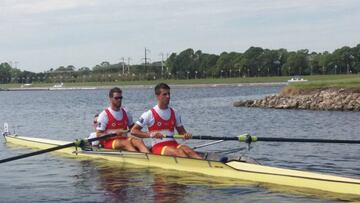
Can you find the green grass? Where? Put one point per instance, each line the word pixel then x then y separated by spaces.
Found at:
pixel 338 81
pixel 315 81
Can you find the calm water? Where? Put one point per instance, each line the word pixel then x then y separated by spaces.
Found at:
pixel 67 115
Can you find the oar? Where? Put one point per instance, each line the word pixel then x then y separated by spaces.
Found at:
pixel 250 138
pixel 208 144
pixel 77 143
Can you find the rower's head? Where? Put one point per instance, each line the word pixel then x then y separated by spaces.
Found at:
pixel 162 92
pixel 115 97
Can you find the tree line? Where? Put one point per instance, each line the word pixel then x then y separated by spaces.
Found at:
pixel 190 64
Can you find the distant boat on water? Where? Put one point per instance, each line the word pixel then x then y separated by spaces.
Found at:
pixel 297 79
pixel 26 85
pixel 60 85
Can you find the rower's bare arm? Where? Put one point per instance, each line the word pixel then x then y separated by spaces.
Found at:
pixel 136 131
pixel 99 133
pixel 119 133
pixel 181 130
pixel 124 133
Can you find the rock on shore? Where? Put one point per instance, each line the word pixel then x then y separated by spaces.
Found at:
pixel 332 99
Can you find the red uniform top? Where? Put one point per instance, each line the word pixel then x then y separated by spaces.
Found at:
pixel 161 124
pixel 114 124
pixel 159 145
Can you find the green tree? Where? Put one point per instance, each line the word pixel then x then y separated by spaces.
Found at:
pixel 5 73
pixel 296 63
pixel 251 61
pixel 184 64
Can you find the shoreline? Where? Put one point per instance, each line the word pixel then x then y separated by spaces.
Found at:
pixel 323 99
pixel 145 86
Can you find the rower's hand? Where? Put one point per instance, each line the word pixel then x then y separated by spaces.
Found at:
pixel 121 134
pixel 187 136
pixel 156 135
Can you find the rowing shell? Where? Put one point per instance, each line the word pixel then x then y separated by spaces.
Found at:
pixel 232 169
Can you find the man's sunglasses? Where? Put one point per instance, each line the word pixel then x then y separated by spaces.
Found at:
pixel 118 98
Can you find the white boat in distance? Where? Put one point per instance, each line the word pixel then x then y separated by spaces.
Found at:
pixel 26 85
pixel 297 79
pixel 58 85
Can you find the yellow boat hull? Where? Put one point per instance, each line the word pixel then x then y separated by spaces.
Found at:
pixel 233 169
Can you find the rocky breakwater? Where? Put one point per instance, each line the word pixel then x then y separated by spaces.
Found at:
pixel 331 99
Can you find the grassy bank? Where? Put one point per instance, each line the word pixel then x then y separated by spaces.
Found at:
pixel 315 81
pixel 338 81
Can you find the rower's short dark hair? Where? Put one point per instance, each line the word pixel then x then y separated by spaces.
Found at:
pixel 161 86
pixel 113 90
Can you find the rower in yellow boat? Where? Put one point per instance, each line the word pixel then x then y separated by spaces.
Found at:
pixel 116 119
pixel 162 120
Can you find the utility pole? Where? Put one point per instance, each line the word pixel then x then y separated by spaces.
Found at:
pixel 123 65
pixel 162 64
pixel 128 65
pixel 146 58
pixel 167 68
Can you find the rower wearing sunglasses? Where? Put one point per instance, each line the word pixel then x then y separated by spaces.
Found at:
pixel 116 119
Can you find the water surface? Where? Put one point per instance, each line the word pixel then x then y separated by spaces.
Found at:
pixel 67 115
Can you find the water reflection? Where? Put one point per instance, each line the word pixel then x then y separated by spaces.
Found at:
pixel 118 182
pixel 165 191
pixel 130 183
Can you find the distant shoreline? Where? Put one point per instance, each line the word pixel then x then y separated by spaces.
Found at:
pixel 144 86
pixel 314 82
pixel 318 80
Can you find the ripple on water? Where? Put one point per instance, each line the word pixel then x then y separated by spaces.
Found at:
pixel 67 115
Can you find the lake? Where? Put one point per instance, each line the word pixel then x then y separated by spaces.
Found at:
pixel 67 115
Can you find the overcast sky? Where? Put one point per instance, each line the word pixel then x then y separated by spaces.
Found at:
pixel 39 35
